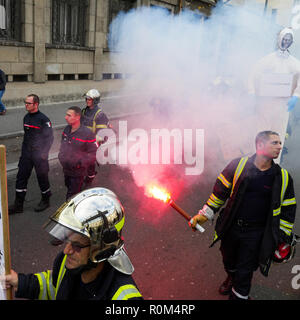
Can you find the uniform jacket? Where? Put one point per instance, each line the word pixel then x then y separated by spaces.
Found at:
pixel 59 283
pixel 38 134
pixel 94 119
pixel 77 151
pixel 230 186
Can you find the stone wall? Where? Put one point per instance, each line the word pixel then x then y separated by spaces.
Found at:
pixel 37 59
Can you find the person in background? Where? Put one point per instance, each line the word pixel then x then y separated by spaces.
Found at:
pixel 94 119
pixel 2 90
pixel 274 85
pixel 77 151
pixel 37 141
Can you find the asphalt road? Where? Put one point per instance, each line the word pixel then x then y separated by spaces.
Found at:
pixel 171 262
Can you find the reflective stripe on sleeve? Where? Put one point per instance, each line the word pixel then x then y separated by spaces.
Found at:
pixel 286 224
pixel 214 201
pixel 47 290
pixel 50 287
pixel 225 182
pixel 276 212
pixel 43 285
pixel 126 292
pixel 286 231
pixel 288 202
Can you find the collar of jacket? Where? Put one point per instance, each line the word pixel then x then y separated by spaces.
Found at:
pixel 275 165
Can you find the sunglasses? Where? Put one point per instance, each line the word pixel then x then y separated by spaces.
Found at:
pixel 77 246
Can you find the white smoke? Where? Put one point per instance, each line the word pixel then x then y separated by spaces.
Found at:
pixel 198 69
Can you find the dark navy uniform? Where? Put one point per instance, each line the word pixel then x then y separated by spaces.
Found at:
pixel 94 119
pixel 77 152
pixel 38 138
pixel 258 216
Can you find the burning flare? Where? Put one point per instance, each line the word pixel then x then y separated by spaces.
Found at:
pixel 162 194
pixel 158 193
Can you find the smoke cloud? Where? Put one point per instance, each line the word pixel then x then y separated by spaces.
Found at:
pixel 192 73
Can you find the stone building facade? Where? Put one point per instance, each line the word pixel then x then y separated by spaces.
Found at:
pixel 46 40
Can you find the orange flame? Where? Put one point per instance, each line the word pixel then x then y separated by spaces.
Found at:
pixel 158 193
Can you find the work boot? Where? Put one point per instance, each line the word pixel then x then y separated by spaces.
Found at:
pixel 226 286
pixel 17 207
pixel 233 296
pixel 44 203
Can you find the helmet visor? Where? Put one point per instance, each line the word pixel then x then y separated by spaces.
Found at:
pixel 59 231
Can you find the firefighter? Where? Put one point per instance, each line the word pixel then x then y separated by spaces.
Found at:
pixel 274 83
pixel 77 151
pixel 38 138
pixel 94 264
pixel 95 119
pixel 258 217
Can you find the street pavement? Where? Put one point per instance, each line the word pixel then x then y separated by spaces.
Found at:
pixel 171 262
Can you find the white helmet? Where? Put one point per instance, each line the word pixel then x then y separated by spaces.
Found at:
pixel 93 94
pixel 285 38
pixel 98 215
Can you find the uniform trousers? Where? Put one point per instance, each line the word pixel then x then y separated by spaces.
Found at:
pixel 73 184
pixel 240 249
pixel 26 164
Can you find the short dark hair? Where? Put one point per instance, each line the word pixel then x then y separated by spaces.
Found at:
pixel 36 98
pixel 76 109
pixel 264 136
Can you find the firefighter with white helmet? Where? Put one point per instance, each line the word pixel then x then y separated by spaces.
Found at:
pixel 95 119
pixel 94 264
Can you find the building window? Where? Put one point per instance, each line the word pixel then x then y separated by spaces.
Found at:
pixel 10 20
pixel 69 22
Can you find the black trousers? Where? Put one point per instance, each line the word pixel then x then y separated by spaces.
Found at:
pixel 240 251
pixel 74 185
pixel 26 163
